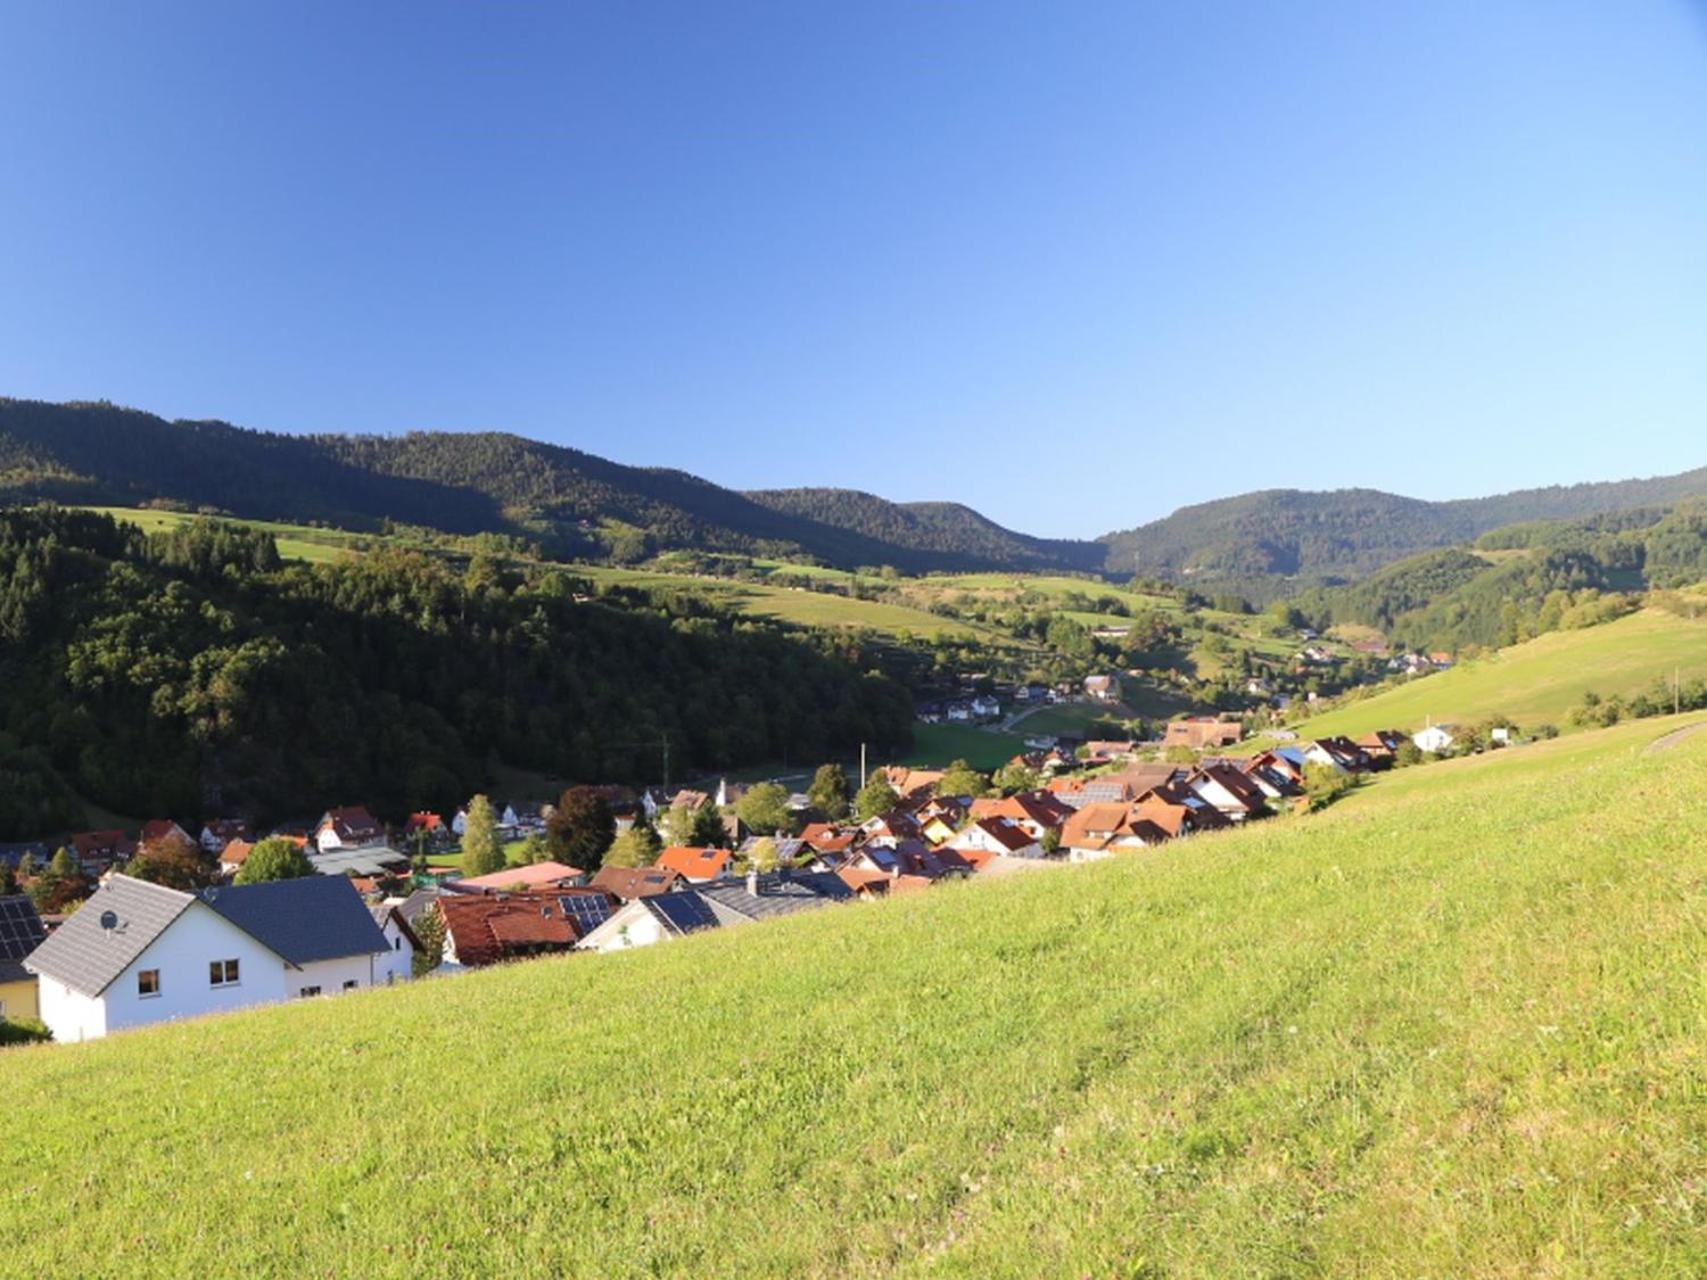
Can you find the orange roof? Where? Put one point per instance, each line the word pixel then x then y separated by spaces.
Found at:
pixel 863 880
pixel 236 852
pixel 826 837
pixel 695 864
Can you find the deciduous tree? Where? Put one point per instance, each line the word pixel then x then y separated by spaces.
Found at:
pixel 481 852
pixel 274 858
pixel 830 792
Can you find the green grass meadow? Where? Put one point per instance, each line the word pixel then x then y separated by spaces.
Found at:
pixel 1455 1026
pixel 1538 681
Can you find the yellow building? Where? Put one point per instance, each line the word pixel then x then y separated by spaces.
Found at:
pixel 21 932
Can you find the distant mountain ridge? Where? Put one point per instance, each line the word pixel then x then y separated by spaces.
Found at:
pixel 1347 533
pixel 579 504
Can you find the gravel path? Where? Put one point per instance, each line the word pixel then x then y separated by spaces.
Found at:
pixel 1670 740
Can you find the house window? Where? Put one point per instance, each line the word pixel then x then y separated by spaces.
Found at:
pixel 350 985
pixel 397 943
pixel 309 991
pixel 148 982
pixel 222 973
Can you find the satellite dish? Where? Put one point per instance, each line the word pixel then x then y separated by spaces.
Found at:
pixel 109 920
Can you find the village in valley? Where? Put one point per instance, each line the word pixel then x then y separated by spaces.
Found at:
pixel 107 930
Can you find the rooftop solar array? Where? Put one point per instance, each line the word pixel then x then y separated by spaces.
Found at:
pixel 682 912
pixel 21 929
pixel 587 910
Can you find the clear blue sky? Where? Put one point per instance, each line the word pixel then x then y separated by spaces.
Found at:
pixel 1074 264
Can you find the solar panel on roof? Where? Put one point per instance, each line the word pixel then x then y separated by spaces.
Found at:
pixel 587 910
pixel 21 929
pixel 684 912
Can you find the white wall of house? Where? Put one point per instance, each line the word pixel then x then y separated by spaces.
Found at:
pixel 181 955
pixel 398 963
pixel 348 973
pixel 633 926
pixel 1433 739
pixel 71 1015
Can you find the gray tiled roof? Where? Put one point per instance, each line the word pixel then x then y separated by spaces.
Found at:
pixel 87 957
pixel 303 920
pixel 777 896
pixel 372 860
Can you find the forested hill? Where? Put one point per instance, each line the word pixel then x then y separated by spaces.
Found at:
pixel 573 503
pixel 577 504
pixel 1351 532
pixel 943 529
pixel 191 673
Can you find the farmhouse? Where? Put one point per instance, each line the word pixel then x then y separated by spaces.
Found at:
pixel 1103 688
pixel 1436 738
pixel 348 827
pixel 1198 732
pixel 138 953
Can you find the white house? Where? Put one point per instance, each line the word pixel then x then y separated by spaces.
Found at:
pixel 999 836
pixel 657 918
pixel 349 827
pixel 1435 738
pixel 397 964
pixel 138 953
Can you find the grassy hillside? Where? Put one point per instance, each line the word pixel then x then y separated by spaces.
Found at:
pixel 1454 1026
pixel 1539 681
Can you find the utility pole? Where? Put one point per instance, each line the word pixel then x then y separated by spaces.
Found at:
pixel 1676 690
pixel 666 763
pixel 862 766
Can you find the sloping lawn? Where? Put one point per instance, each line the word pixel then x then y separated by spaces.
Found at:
pixel 1454 1026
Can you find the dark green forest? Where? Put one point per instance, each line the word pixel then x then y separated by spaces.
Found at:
pixel 1524 580
pixel 946 530
pixel 1277 542
pixel 573 504
pixel 190 673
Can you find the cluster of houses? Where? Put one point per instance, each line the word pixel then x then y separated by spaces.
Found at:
pixel 973 707
pixel 137 952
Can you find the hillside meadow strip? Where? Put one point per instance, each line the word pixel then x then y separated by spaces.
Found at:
pixel 1453 1026
pixel 1538 681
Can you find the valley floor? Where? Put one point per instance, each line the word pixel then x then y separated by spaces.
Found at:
pixel 1454 1026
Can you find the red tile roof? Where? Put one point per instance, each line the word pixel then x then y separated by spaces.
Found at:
pixel 485 930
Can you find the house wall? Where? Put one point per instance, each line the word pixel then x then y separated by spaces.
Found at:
pixel 182 954
pixel 20 999
pixel 642 930
pixel 397 964
pixel 71 1015
pixel 331 975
